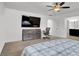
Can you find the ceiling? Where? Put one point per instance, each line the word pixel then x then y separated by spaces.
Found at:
pixel 40 7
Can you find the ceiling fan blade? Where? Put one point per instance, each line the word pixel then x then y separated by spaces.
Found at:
pixel 65 7
pixel 62 3
pixel 48 6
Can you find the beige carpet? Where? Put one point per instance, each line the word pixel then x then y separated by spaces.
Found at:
pixel 16 48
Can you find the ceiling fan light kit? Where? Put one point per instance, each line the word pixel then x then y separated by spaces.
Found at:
pixel 58 6
pixel 57 9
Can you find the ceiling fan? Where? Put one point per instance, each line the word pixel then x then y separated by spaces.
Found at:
pixel 58 6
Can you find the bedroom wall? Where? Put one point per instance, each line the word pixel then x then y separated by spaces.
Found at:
pixel 14 30
pixel 73 22
pixel 13 23
pixel 60 23
pixel 50 23
pixel 2 26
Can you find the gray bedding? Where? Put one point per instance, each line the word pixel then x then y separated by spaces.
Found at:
pixel 58 47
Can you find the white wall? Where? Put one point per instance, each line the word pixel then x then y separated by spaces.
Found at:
pixel 50 23
pixel 13 23
pixel 73 22
pixel 14 30
pixel 60 25
pixel 2 25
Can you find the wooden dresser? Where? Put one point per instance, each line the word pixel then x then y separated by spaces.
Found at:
pixel 28 34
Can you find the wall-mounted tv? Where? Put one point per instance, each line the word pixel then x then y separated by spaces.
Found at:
pixel 30 21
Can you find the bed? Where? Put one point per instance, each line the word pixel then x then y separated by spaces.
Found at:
pixel 58 47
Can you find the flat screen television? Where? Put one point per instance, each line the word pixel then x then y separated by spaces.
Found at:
pixel 74 32
pixel 30 21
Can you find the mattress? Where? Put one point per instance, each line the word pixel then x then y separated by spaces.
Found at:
pixel 58 47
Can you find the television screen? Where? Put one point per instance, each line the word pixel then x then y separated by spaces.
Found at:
pixel 29 21
pixel 74 32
